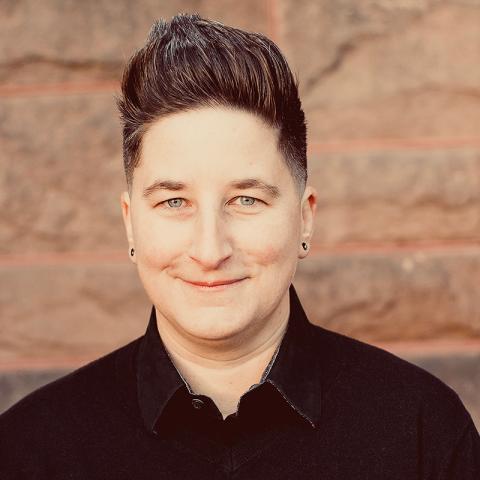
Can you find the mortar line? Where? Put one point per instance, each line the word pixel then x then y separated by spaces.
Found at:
pixel 325 249
pixel 392 144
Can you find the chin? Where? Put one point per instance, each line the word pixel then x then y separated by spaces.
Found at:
pixel 214 328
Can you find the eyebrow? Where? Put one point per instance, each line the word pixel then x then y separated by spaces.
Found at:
pixel 242 184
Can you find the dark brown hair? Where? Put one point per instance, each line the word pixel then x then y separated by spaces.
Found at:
pixel 192 62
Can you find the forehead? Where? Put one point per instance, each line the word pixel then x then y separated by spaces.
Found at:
pixel 214 141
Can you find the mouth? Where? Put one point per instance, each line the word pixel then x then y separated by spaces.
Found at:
pixel 215 286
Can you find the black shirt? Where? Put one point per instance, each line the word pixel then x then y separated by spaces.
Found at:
pixel 327 407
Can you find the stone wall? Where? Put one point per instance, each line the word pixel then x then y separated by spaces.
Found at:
pixel 391 90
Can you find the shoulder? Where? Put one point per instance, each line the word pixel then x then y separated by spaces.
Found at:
pixel 384 379
pixel 371 396
pixel 59 402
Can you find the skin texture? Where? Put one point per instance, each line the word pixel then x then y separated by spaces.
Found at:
pixel 219 340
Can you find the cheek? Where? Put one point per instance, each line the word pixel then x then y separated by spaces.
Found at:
pixel 274 249
pixel 269 255
pixel 155 248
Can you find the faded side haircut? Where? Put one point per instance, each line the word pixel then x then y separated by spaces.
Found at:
pixel 192 62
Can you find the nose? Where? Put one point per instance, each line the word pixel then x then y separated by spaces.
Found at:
pixel 209 245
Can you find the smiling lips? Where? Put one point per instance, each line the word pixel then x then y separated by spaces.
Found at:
pixel 217 285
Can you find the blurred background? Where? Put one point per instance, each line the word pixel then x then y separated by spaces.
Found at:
pixel 391 91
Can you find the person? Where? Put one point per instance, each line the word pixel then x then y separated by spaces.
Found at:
pixel 230 379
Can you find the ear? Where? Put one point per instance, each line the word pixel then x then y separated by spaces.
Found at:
pixel 127 221
pixel 309 207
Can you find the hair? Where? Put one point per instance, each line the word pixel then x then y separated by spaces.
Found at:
pixel 192 62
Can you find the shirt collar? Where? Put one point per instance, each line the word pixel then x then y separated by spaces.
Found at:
pixel 295 372
pixel 157 377
pixel 292 371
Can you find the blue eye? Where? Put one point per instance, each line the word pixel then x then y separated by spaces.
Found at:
pixel 250 198
pixel 173 199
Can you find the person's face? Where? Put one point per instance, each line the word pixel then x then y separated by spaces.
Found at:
pixel 209 229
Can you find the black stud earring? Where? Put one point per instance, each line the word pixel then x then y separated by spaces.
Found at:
pixel 132 252
pixel 304 245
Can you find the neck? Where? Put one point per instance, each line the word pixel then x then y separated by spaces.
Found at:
pixel 225 370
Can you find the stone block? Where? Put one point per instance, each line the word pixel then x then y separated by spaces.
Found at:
pixel 397 196
pixel 385 69
pixel 391 297
pixel 81 311
pixel 66 40
pixel 61 174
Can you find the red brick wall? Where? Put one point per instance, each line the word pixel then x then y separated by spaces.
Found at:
pixel 391 91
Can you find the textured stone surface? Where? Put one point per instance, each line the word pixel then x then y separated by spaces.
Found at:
pixel 66 40
pixel 459 371
pixel 394 296
pixel 71 310
pixel 397 195
pixel 386 69
pixel 61 174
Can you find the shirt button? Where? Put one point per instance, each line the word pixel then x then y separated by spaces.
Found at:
pixel 197 403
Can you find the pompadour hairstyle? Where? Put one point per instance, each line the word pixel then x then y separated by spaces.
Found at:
pixel 192 62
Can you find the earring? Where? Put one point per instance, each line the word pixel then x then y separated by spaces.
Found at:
pixel 305 245
pixel 132 252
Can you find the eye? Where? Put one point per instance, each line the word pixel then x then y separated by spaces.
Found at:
pixel 251 201
pixel 171 200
